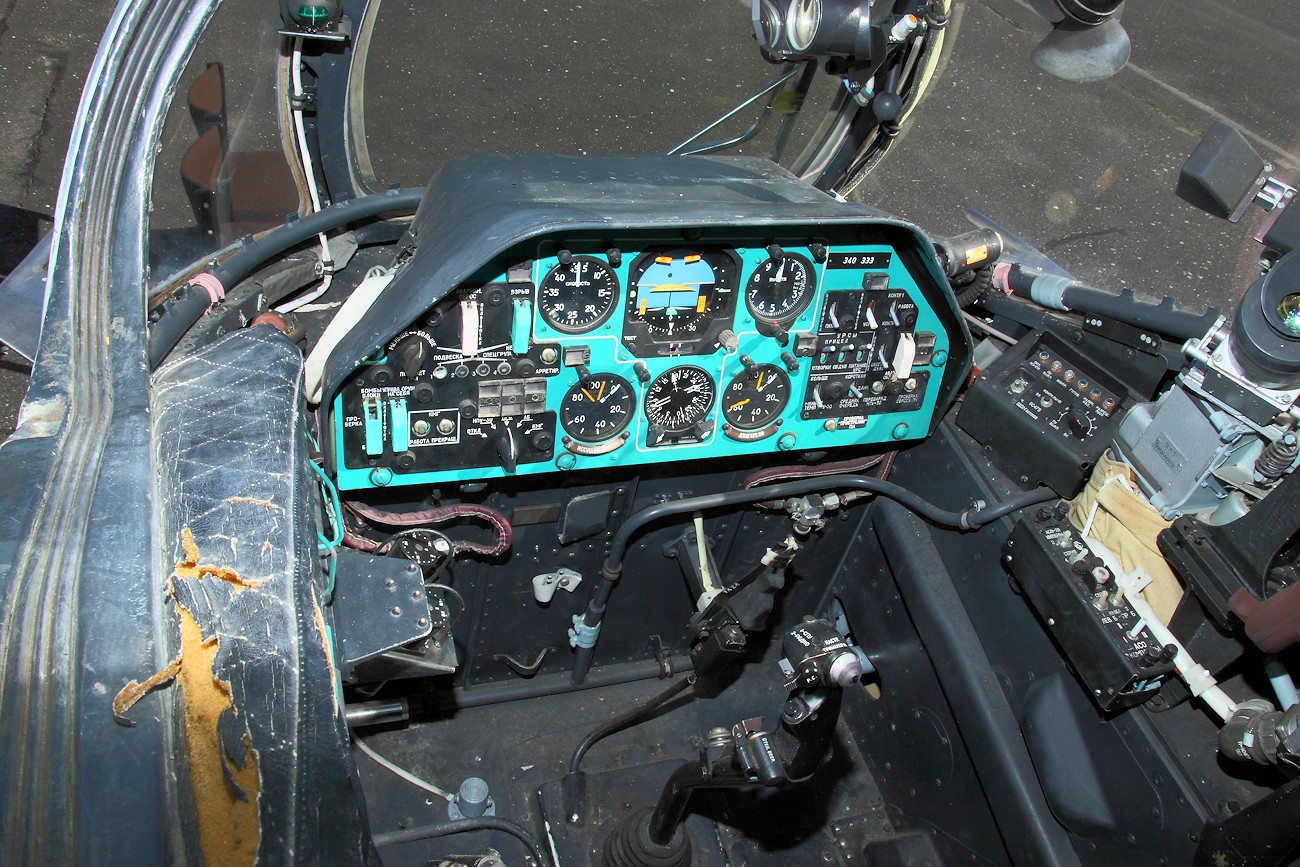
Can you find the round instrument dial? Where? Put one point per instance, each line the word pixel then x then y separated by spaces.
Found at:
pixel 597 408
pixel 577 296
pixel 780 289
pixel 675 293
pixel 755 397
pixel 680 398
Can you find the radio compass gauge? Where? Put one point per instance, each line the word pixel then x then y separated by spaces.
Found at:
pixel 598 407
pixel 577 296
pixel 679 399
pixel 780 288
pixel 755 397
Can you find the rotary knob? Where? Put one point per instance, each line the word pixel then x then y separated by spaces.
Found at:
pixel 1079 422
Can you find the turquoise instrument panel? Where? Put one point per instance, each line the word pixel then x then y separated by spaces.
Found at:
pixel 577 354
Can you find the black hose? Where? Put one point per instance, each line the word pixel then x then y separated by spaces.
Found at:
pixel 179 313
pixel 462 826
pixel 971 519
pixel 976 288
pixel 638 714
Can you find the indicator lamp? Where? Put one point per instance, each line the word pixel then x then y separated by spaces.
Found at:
pixel 311 15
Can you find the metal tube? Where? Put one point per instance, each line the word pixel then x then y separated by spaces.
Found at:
pixel 681 148
pixel 672 803
pixel 373 713
pixel 555 684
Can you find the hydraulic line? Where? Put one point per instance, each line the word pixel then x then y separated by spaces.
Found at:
pixel 587 625
pixel 179 313
pixel 462 826
pixel 638 714
pixel 574 780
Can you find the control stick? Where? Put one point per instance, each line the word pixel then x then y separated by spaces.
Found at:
pixel 817 664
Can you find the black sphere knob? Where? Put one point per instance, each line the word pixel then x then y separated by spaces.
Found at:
pixel 887 106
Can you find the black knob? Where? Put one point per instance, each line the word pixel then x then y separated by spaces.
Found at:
pixel 836 390
pixel 542 441
pixel 424 393
pixel 886 106
pixel 1079 422
pixel 468 409
pixel 848 323
pixel 506 450
pixel 381 374
pixel 411 354
pixel 791 363
pixel 614 255
pixel 780 335
pixel 775 251
pixel 818 252
pixel 564 257
pixel 526 367
pixel 405 461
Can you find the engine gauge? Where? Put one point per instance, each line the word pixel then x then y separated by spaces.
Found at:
pixel 597 408
pixel 679 399
pixel 577 296
pixel 755 397
pixel 780 289
pixel 676 294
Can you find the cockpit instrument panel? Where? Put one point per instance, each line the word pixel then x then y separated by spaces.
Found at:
pixel 573 353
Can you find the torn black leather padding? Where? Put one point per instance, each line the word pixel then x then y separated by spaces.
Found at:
pixel 232 464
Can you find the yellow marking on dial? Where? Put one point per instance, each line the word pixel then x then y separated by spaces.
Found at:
pixel 588 394
pixel 736 406
pixel 759 384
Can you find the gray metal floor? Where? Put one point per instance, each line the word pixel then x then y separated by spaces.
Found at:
pixel 1086 172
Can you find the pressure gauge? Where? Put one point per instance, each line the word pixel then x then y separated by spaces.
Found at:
pixel 598 407
pixel 755 397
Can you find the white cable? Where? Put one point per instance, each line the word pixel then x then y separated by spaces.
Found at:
pixel 1284 688
pixel 399 771
pixel 348 315
pixel 304 154
pixel 1199 681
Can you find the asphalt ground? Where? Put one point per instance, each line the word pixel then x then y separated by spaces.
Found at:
pixel 1084 172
